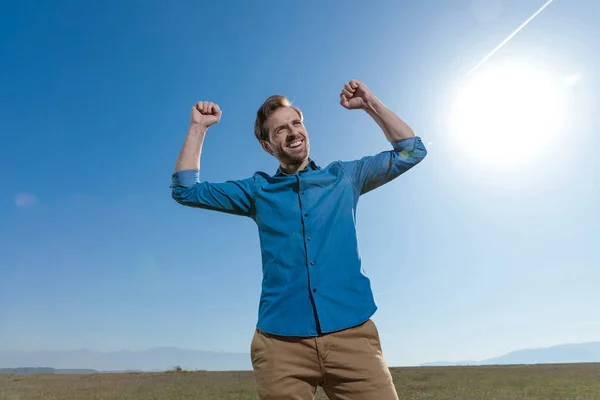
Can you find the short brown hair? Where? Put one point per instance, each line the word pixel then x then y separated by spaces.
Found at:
pixel 267 108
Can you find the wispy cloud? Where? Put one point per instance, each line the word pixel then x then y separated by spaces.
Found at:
pixel 588 324
pixel 523 25
pixel 25 200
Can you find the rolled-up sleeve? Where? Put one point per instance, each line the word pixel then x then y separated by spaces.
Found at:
pixel 370 172
pixel 232 197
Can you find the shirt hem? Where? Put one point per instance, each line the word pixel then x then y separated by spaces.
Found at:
pixel 323 331
pixel 362 321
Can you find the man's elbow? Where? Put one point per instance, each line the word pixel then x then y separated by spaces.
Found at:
pixel 413 157
pixel 181 195
pixel 419 154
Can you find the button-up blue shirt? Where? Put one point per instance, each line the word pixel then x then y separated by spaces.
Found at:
pixel 313 281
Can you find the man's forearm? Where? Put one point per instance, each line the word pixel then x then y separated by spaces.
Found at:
pixel 393 127
pixel 189 155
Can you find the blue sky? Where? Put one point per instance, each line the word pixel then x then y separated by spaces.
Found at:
pixel 468 258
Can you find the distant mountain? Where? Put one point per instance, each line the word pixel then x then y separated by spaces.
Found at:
pixel 156 359
pixel 164 358
pixel 448 363
pixel 42 370
pixel 564 353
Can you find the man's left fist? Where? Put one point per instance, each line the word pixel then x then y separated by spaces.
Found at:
pixel 355 95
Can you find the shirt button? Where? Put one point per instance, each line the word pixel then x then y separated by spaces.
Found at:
pixel 314 290
pixel 308 238
pixel 312 263
pixel 306 215
pixel 302 192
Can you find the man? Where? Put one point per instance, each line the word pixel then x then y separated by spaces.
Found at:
pixel 314 323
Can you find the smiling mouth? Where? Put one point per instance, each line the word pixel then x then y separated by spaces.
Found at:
pixel 295 143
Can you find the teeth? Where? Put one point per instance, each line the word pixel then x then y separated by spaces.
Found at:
pixel 296 143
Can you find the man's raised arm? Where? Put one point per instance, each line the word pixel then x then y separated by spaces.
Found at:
pixel 371 172
pixel 356 95
pixel 204 114
pixel 233 197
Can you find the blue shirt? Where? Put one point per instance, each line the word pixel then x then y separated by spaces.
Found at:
pixel 313 281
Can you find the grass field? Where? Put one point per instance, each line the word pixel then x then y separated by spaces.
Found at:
pixel 539 382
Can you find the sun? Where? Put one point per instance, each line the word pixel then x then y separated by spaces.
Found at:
pixel 507 114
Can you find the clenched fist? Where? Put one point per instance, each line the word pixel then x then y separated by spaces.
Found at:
pixel 355 95
pixel 205 114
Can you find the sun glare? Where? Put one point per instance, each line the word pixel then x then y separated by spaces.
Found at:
pixel 507 114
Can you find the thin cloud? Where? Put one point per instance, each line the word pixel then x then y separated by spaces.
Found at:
pixel 588 324
pixel 25 200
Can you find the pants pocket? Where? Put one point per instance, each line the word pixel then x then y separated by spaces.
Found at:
pixel 255 346
pixel 374 334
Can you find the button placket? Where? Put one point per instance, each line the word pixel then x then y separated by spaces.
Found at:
pixel 307 237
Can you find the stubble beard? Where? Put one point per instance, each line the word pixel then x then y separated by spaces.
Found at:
pixel 293 159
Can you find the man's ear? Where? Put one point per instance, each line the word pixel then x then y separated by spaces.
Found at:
pixel 266 146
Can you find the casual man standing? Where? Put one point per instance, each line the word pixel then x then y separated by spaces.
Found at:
pixel 314 323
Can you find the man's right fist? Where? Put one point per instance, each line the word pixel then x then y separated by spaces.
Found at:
pixel 205 113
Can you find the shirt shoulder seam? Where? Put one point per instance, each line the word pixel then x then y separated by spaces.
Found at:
pixel 341 164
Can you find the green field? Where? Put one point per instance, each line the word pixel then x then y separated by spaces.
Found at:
pixel 539 382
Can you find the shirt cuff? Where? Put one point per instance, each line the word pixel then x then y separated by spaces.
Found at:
pixel 406 145
pixel 185 178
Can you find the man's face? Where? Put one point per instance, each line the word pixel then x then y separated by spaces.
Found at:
pixel 288 139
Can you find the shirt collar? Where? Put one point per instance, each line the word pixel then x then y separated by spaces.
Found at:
pixel 312 166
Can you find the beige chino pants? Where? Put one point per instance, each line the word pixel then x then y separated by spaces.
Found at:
pixel 348 365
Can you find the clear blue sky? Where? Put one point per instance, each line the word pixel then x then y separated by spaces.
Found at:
pixel 468 259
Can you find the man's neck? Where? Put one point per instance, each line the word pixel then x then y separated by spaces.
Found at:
pixel 292 169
